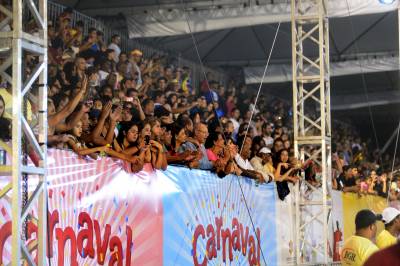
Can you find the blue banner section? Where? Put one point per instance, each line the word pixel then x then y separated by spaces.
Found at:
pixel 206 221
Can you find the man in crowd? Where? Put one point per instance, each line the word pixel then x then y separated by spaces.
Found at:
pixel 114 45
pixel 200 135
pixel 347 181
pixel 388 237
pixel 359 247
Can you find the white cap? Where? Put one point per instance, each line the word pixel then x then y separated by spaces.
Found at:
pixel 389 214
pixel 265 150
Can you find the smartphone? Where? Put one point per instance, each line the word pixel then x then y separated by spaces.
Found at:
pixel 147 139
pixel 129 99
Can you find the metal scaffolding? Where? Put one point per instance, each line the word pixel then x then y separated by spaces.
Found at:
pixel 312 127
pixel 22 41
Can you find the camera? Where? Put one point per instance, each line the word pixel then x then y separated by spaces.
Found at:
pixel 147 139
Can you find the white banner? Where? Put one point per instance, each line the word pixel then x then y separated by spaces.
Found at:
pixel 283 73
pixel 168 22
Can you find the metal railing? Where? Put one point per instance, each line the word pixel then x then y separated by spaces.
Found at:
pixel 54 10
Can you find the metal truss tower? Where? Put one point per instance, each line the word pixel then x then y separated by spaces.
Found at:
pixel 312 128
pixel 24 38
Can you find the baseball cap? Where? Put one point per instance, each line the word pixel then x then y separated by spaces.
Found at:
pixel 136 52
pixel 389 214
pixel 265 150
pixel 365 218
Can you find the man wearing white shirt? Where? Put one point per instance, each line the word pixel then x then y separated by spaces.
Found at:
pixel 243 162
pixel 114 45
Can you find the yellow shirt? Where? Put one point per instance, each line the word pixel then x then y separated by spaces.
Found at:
pixel 385 239
pixel 357 250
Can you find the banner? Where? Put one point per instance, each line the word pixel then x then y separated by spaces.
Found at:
pixel 99 214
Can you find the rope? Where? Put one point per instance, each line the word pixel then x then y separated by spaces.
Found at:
pixel 364 82
pixel 261 83
pixel 251 117
pixel 394 159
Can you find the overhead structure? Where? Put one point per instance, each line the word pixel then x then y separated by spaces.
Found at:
pixel 25 204
pixel 312 126
pixel 167 19
pixel 365 64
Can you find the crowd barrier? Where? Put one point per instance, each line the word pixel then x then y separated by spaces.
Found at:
pixel 100 214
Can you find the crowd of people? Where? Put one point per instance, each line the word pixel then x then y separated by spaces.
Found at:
pixel 358 168
pixel 143 110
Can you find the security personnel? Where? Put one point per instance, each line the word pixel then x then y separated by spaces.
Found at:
pixel 359 247
pixel 388 237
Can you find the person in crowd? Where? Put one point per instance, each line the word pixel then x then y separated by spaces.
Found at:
pixel 262 162
pixel 135 58
pixel 347 182
pixel 77 145
pixel 284 171
pixel 389 236
pixel 200 135
pixel 387 257
pixel 378 184
pixel 218 152
pixel 359 247
pixel 241 154
pixel 150 132
pixel 179 137
pixel 114 45
pixel 5 124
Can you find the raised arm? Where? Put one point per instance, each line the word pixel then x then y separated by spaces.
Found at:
pixel 55 119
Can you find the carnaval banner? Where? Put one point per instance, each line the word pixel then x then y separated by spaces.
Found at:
pixel 101 215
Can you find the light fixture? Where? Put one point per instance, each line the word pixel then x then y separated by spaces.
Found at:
pixel 386 2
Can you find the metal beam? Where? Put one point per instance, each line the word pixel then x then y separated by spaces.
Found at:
pixel 23 42
pixel 311 93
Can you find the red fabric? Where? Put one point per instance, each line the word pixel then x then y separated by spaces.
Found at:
pixel 229 107
pixel 386 257
pixel 211 155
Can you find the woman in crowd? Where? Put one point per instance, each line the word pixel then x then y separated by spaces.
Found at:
pixel 150 134
pixel 179 137
pixel 77 145
pixel 284 172
pixel 219 154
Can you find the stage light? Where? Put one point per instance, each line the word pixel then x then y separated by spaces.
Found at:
pixel 386 2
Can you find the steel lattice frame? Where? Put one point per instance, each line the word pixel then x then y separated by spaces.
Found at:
pixel 312 125
pixel 21 43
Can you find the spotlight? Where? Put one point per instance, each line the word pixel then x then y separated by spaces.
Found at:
pixel 386 2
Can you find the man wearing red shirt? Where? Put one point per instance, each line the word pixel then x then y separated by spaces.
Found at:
pixel 387 257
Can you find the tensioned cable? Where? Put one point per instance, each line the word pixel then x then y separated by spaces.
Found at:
pixel 394 159
pixel 261 83
pixel 205 76
pixel 364 82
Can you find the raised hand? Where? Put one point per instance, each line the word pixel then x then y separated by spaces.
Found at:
pixel 84 83
pixel 106 109
pixel 116 114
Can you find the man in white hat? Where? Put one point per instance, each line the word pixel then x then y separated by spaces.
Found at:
pixel 260 163
pixel 388 237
